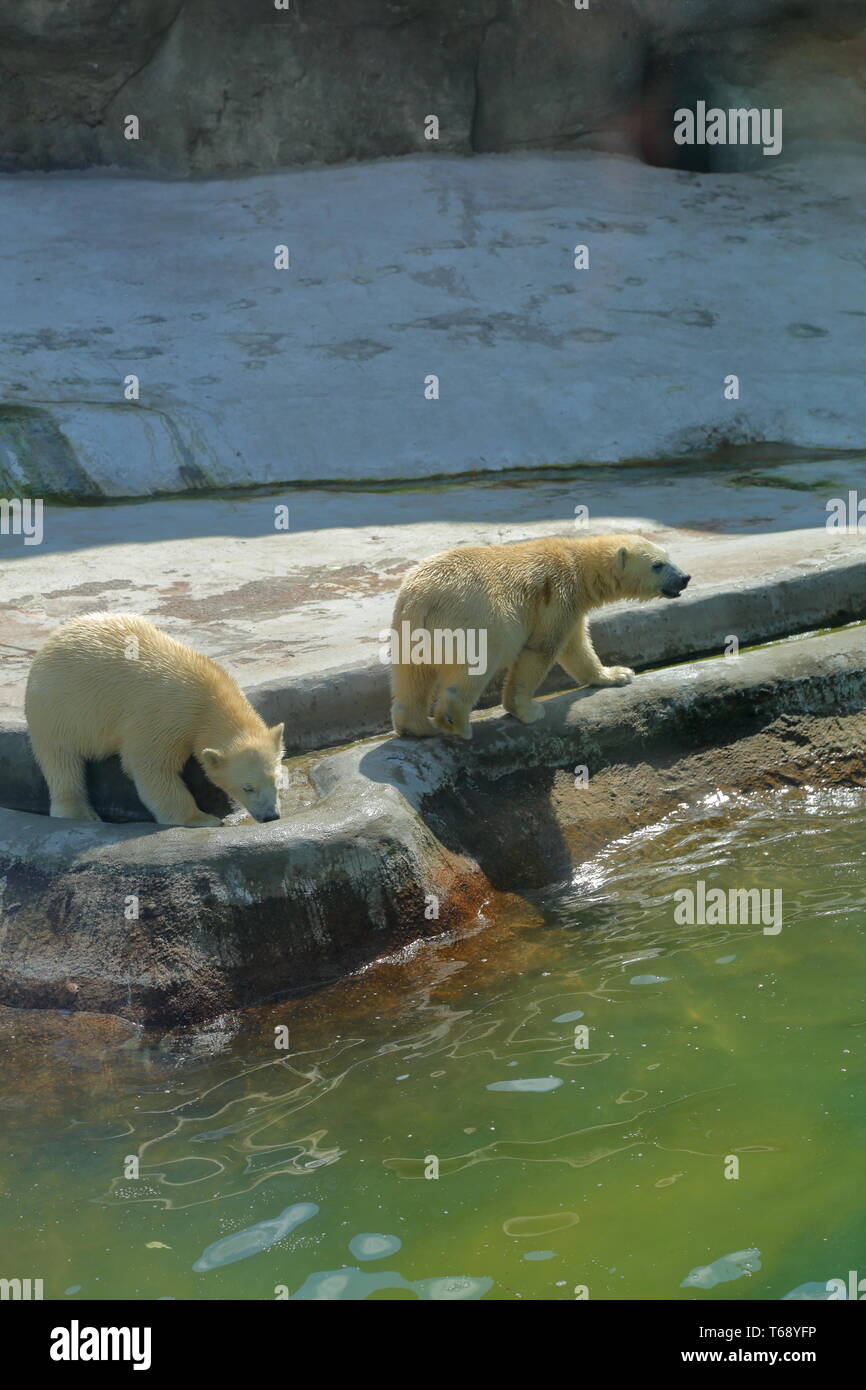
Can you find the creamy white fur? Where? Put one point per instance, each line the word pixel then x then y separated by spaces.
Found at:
pixel 532 599
pixel 111 683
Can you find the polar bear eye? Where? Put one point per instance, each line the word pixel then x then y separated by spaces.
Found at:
pixel 659 565
pixel 248 790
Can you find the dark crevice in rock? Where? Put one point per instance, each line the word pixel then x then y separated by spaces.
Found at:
pixel 477 94
pixel 159 41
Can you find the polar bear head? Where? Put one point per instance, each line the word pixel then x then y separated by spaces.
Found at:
pixel 644 570
pixel 248 770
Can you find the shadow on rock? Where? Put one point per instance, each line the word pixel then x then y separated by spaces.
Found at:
pixel 489 799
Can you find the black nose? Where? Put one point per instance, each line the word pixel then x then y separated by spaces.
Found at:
pixel 275 815
pixel 684 580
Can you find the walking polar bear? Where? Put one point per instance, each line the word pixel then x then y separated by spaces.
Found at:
pixel 531 600
pixel 113 683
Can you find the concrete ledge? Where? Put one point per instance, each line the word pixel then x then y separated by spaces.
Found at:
pixel 175 926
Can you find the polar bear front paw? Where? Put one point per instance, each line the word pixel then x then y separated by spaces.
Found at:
pixel 615 675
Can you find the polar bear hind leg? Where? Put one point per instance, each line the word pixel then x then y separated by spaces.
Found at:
pixel 67 787
pixel 412 687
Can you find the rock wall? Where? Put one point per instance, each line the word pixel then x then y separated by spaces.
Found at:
pixel 239 86
pixel 429 267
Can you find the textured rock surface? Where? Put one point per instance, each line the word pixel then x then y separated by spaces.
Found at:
pixel 234 86
pixel 245 913
pixel 458 268
pixel 434 264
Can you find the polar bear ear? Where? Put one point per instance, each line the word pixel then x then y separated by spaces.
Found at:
pixel 211 758
pixel 623 556
pixel 276 734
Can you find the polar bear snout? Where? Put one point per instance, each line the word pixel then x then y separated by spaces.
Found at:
pixel 674 580
pixel 263 807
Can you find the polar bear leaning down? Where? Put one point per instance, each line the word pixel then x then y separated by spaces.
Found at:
pixel 113 683
pixel 530 601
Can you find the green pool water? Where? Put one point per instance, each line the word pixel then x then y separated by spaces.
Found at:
pixel 269 1173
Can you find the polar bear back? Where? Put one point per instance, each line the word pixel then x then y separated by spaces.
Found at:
pixel 105 678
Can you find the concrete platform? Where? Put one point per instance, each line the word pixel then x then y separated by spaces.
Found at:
pixel 279 607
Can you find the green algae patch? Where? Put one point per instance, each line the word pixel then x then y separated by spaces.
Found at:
pixel 36 458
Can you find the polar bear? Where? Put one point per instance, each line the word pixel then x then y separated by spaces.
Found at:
pixel 113 683
pixel 527 604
